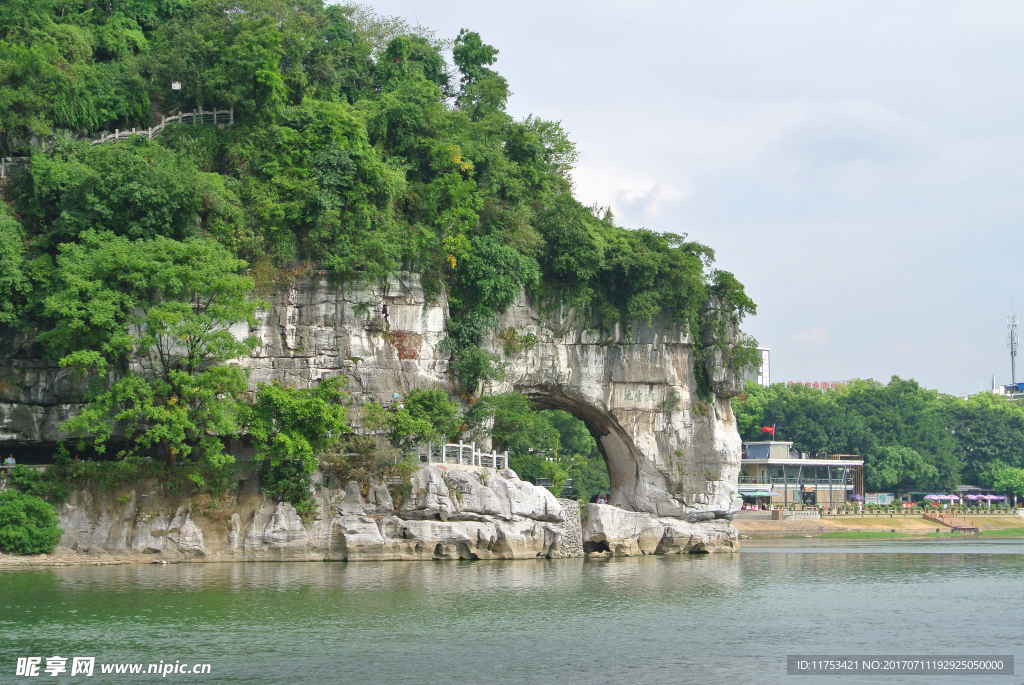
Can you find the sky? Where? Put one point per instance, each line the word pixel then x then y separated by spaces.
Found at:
pixel 857 165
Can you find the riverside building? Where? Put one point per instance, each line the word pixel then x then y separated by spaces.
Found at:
pixel 772 472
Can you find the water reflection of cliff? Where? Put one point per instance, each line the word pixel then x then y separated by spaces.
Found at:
pixel 627 575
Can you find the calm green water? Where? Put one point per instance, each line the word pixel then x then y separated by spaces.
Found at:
pixel 690 619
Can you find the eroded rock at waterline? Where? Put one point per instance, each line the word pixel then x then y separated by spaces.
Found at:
pixel 669 453
pixel 451 512
pixel 610 531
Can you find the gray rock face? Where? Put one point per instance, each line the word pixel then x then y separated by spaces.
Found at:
pixel 614 532
pixel 487 515
pixel 669 453
pixel 515 520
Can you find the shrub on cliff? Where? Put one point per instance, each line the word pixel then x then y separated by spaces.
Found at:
pixel 287 480
pixel 423 416
pixel 28 524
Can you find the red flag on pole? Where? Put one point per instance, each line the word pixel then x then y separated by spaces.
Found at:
pixel 768 429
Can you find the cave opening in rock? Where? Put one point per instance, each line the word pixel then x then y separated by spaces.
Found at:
pixel 613 444
pixel 579 456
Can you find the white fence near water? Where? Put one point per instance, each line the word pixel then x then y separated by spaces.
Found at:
pixel 216 116
pixel 462 453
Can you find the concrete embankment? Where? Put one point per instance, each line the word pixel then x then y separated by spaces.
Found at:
pixel 763 527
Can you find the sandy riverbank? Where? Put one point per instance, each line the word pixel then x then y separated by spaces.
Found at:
pixel 63 556
pixel 761 528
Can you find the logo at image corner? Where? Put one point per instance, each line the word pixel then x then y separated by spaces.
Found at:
pixel 31 666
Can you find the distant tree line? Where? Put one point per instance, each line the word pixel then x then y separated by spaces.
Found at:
pixel 911 438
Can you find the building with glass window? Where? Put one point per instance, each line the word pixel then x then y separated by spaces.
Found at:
pixel 788 477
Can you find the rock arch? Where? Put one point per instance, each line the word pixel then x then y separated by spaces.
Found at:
pixel 617 448
pixel 669 452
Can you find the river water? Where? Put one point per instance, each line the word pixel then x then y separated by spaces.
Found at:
pixel 673 619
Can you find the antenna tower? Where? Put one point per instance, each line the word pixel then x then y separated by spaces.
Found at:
pixel 1012 342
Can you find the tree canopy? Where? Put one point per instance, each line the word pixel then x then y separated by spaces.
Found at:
pixel 28 524
pixel 361 144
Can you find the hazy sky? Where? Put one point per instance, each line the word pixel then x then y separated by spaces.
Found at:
pixel 859 166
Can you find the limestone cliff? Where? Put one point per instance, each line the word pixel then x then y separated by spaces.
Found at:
pixel 670 455
pixel 453 512
pixel 668 452
pixel 450 512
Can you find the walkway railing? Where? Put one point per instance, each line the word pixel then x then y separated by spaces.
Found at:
pixel 8 165
pixel 32 467
pixel 791 480
pixel 216 116
pixel 461 453
pixel 226 117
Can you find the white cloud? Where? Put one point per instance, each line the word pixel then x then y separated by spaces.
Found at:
pixel 634 198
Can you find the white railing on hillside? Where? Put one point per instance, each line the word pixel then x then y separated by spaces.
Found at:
pixel 221 117
pixel 216 116
pixel 461 453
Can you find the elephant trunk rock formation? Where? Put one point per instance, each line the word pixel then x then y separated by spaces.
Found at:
pixel 673 458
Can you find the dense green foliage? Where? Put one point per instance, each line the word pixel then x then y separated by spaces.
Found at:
pixel 911 438
pixel 356 146
pixel 288 424
pixel 165 303
pixel 288 480
pixel 56 482
pixel 1008 479
pixel 46 484
pixel 28 524
pixel 422 416
pixel 578 451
